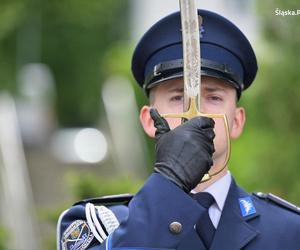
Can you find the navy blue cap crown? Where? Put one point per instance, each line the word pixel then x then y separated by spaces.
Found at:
pixel 225 52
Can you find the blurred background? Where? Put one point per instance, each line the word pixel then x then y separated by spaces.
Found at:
pixel 69 106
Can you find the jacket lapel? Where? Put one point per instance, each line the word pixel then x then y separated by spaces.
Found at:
pixel 191 242
pixel 234 231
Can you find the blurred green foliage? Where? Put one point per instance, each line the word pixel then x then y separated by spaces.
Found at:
pixel 266 158
pixel 71 37
pixel 3 238
pixel 90 185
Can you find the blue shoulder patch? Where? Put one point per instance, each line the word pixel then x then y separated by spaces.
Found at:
pixel 247 206
pixel 77 236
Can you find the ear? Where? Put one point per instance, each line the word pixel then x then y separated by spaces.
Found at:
pixel 238 122
pixel 147 121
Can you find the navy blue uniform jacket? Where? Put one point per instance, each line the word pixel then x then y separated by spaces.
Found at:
pixel 145 222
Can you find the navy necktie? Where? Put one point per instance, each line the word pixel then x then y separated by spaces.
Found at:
pixel 204 226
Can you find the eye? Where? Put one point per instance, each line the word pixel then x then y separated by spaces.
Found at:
pixel 177 98
pixel 215 98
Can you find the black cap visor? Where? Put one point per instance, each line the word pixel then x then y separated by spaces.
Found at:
pixel 174 69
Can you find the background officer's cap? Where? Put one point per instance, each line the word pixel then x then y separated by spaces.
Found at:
pixel 225 52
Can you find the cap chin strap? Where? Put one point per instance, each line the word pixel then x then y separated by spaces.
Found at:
pixel 174 69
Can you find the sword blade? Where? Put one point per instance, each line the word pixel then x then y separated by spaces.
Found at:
pixel 191 52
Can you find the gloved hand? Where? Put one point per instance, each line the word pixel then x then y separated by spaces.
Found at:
pixel 184 154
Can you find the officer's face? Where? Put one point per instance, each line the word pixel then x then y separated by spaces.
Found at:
pixel 217 97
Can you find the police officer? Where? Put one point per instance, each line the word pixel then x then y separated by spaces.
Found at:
pixel 172 210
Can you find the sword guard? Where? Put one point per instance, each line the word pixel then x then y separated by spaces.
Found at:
pixel 194 112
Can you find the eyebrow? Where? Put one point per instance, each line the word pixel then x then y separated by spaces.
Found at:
pixel 211 89
pixel 176 90
pixel 206 88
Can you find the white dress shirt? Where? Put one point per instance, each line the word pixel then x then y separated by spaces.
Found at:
pixel 219 190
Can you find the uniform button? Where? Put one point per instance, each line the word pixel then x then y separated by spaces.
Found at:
pixel 175 227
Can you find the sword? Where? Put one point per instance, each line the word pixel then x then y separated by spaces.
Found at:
pixel 190 22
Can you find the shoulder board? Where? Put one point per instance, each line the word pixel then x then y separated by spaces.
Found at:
pixel 108 200
pixel 278 201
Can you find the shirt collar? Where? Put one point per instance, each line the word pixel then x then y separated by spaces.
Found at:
pixel 219 190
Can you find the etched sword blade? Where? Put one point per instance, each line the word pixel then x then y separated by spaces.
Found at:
pixel 190 23
pixel 191 52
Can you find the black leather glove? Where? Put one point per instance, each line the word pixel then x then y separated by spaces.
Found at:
pixel 184 154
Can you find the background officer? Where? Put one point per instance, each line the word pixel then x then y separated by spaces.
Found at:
pixel 172 210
